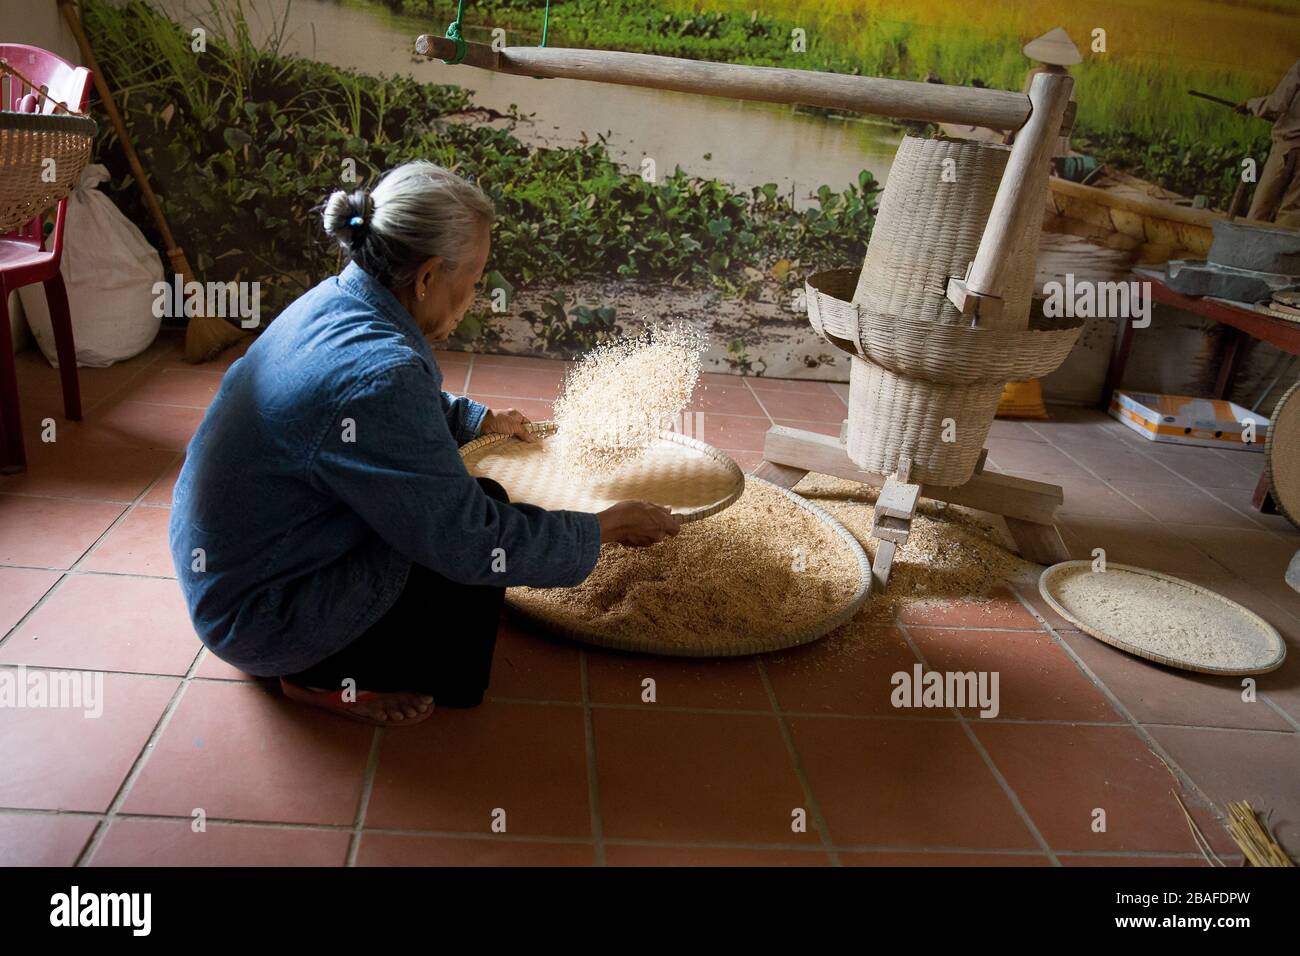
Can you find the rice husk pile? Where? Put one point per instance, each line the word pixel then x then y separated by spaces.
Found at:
pixel 951 554
pixel 1164 618
pixel 764 569
pixel 621 395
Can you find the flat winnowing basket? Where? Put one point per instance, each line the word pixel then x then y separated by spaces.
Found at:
pixel 41 159
pixel 1282 454
pixel 694 479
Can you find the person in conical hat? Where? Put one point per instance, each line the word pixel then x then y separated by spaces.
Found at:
pixel 1054 51
pixel 1277 196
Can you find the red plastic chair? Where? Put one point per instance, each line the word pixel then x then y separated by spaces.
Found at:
pixel 24 257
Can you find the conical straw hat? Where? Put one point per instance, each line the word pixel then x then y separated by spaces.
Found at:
pixel 1054 47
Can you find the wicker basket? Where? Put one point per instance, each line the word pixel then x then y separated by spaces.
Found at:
pixel 27 142
pixel 942 428
pixel 945 354
pixel 931 217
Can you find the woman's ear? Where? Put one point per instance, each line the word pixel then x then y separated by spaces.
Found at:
pixel 427 276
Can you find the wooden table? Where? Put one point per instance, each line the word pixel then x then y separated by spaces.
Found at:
pixel 1241 320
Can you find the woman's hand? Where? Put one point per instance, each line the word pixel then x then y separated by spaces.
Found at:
pixel 509 422
pixel 637 524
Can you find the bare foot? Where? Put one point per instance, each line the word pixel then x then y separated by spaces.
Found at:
pixel 398 708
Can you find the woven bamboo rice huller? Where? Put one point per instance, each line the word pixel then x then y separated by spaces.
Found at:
pixel 925 382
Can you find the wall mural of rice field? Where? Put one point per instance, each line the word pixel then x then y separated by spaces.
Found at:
pixel 615 205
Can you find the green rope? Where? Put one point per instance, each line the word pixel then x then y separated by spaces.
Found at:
pixel 453 33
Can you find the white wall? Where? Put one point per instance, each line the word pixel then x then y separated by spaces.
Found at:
pixel 37 23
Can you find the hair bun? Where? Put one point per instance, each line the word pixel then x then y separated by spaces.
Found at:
pixel 347 217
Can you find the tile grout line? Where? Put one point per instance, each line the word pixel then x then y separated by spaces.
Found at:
pixel 1193 544
pixel 761 403
pixel 130 509
pixel 65 572
pixel 621 841
pixel 1277 709
pixel 1177 772
pixel 367 788
pixel 137 766
pixel 469 373
pixel 589 740
pixel 707 711
pixel 997 774
pixel 1145 453
pixel 796 762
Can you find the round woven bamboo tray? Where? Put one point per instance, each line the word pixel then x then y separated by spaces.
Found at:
pixel 711 645
pixel 947 354
pixel 694 479
pixel 1258 631
pixel 1282 454
pixel 28 141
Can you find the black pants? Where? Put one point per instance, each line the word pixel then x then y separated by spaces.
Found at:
pixel 437 639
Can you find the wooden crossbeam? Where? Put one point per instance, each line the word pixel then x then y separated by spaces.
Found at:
pixel 899 99
pixel 802 451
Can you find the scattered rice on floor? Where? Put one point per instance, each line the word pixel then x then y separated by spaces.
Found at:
pixel 621 395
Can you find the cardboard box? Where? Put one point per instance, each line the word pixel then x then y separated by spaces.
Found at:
pixel 1183 420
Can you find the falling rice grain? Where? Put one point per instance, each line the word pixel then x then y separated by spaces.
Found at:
pixel 621 395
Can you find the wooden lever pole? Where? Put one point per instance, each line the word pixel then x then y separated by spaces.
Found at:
pixel 979 294
pixel 899 99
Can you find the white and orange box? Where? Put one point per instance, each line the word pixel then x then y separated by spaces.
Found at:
pixel 1183 420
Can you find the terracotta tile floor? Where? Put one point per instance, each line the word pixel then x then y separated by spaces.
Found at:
pixel 789 759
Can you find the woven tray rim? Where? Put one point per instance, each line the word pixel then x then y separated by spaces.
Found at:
pixel 1046 579
pixel 748 648
pixel 1290 511
pixel 547 428
pixel 68 123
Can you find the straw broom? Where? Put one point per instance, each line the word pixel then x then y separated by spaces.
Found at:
pixel 1254 839
pixel 205 336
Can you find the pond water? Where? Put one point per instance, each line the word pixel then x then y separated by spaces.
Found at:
pixel 742 143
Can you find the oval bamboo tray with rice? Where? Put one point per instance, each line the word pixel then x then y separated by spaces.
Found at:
pixel 767 570
pixel 1163 618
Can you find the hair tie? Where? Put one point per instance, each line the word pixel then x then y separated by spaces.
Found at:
pixel 360 229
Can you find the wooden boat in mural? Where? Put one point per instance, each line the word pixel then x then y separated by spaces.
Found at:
pixel 1120 211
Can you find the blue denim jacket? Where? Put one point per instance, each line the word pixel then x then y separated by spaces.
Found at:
pixel 325 466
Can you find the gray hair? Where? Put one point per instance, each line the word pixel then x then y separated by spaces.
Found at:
pixel 417 211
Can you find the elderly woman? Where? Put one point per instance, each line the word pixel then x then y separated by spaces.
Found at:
pixel 324 529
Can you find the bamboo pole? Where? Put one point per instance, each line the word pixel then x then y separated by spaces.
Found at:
pixel 204 337
pixel 898 99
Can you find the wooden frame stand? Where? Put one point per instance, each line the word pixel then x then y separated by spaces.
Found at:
pixel 1028 507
